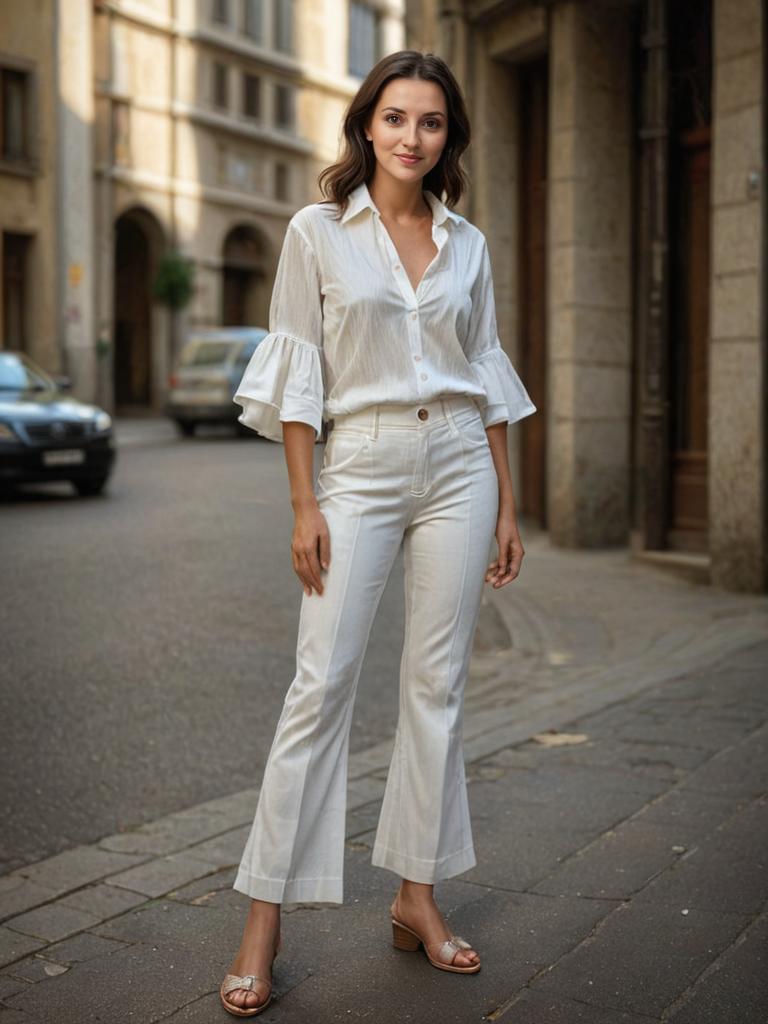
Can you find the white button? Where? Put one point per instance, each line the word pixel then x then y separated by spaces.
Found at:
pixel 417 358
pixel 414 314
pixel 397 266
pixel 423 376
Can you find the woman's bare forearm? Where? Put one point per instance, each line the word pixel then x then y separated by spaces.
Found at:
pixel 497 439
pixel 299 441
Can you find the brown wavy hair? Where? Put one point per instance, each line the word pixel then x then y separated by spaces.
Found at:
pixel 358 161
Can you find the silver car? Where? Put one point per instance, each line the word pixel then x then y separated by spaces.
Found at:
pixel 209 368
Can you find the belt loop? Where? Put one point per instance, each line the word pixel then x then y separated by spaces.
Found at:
pixel 375 432
pixel 446 404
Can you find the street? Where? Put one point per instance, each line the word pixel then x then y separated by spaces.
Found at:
pixel 150 640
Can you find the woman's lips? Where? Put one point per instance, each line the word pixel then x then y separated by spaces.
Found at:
pixel 408 160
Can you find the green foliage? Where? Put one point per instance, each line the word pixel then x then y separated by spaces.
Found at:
pixel 175 280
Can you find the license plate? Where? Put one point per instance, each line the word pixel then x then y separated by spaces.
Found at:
pixel 64 457
pixel 212 397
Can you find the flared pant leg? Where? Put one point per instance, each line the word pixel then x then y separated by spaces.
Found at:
pixel 295 849
pixel 424 831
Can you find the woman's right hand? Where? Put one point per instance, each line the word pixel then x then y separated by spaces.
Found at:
pixel 310 546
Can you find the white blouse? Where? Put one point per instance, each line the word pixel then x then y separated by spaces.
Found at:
pixel 347 329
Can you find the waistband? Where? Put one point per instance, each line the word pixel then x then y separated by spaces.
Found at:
pixel 416 415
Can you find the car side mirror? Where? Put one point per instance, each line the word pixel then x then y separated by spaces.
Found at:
pixel 63 382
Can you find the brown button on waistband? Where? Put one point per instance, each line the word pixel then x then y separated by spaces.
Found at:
pixel 423 414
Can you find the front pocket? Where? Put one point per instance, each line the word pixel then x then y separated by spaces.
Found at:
pixel 342 448
pixel 473 432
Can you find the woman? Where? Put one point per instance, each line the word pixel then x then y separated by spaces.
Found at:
pixel 382 321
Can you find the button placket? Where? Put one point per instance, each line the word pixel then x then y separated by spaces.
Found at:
pixel 439 237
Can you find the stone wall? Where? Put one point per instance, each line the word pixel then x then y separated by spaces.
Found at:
pixel 738 385
pixel 589 284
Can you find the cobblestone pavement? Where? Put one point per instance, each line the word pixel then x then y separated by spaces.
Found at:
pixel 617 757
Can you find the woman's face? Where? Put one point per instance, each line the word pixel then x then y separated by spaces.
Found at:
pixel 410 119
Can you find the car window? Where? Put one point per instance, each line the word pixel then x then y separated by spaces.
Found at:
pixel 206 353
pixel 16 373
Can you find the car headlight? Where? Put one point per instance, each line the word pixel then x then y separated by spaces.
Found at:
pixel 103 421
pixel 7 433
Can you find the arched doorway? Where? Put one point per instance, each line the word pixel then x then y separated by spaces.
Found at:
pixel 244 293
pixel 138 239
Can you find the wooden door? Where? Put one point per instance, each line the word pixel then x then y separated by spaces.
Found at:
pixel 532 283
pixel 689 334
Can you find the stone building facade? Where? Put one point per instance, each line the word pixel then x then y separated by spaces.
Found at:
pixel 213 119
pixel 29 272
pixel 617 168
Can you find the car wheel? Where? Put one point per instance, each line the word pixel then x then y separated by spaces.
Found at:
pixel 186 427
pixel 88 487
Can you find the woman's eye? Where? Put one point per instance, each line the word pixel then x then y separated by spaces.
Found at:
pixel 430 122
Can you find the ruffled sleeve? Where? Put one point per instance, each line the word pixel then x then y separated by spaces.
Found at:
pixel 506 397
pixel 284 378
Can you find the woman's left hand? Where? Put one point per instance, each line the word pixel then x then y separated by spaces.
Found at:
pixel 506 567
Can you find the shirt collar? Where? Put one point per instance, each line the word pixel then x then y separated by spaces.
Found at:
pixel 360 198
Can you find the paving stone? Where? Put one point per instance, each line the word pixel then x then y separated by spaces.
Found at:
pixel 194 825
pixel 665 760
pixel 18 894
pixel 642 957
pixel 739 770
pixel 76 867
pixel 617 864
pixel 552 1008
pixel 224 849
pixel 693 812
pixel 216 886
pixel 14 945
pixel 692 730
pixel 362 791
pixel 36 968
pixel 137 983
pixel 52 922
pixel 81 947
pixel 103 900
pixel 736 987
pixel 726 871
pixel 522 831
pixel 9 1016
pixel 363 819
pixel 159 876
pixel 9 985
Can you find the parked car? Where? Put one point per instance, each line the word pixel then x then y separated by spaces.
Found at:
pixel 205 378
pixel 47 435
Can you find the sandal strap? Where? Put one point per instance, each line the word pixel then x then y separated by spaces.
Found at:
pixel 446 951
pixel 246 981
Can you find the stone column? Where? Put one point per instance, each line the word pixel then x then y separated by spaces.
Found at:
pixel 75 88
pixel 738 375
pixel 589 267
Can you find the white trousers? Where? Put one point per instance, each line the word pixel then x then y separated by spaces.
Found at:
pixel 391 476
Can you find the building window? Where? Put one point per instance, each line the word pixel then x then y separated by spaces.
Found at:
pixel 16 250
pixel 14 115
pixel 220 86
pixel 121 134
pixel 284 106
pixel 253 16
pixel 220 12
pixel 251 95
pixel 364 38
pixel 282 182
pixel 283 21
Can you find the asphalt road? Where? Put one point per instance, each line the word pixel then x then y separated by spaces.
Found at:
pixel 148 640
